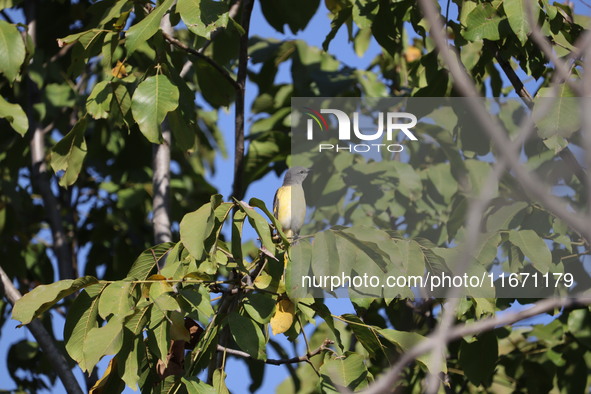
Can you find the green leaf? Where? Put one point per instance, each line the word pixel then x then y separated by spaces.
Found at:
pixel 195 386
pixel 199 301
pixel 214 87
pixel 405 341
pixel 202 17
pixel 98 102
pixel 82 317
pixel 151 101
pixel 261 226
pixel 43 297
pixel 195 228
pixel 533 247
pixel 557 113
pixel 264 149
pixel 85 38
pixel 255 202
pixel 116 300
pixel 145 263
pixel 12 50
pixel 518 19
pixel 130 367
pixel 335 25
pixel 300 258
pixel 219 381
pixel 326 315
pixel 325 258
pixel 289 12
pixel 365 335
pixel 166 302
pixel 178 331
pixel 483 23
pixel 146 28
pixel 15 115
pixel 364 12
pixel 259 306
pixel 120 105
pixel 349 372
pixel 102 341
pixel 138 320
pixel 69 153
pixel 159 340
pixel 478 358
pixel 360 238
pixel 248 335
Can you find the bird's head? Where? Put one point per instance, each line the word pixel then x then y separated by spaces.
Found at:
pixel 295 176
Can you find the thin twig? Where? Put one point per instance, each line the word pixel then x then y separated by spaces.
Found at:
pixel 520 89
pixel 6 17
pixel 299 359
pixel 223 72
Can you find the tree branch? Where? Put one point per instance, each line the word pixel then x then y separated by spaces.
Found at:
pixel 53 354
pixel 520 89
pixel 161 176
pixel 238 188
pixel 301 359
pixel 387 381
pixel 201 56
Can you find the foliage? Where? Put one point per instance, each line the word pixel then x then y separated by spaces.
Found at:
pixel 101 80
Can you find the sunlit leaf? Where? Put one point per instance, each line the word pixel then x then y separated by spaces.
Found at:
pixel 151 101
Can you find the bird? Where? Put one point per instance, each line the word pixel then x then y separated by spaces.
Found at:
pixel 289 204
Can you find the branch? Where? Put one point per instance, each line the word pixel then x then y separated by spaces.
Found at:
pixel 238 188
pixel 201 56
pixel 386 382
pixel 53 354
pixel 161 176
pixel 301 359
pixel 6 17
pixel 520 89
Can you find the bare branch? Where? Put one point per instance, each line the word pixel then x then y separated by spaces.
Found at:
pixel 6 17
pixel 386 382
pixel 301 359
pixel 45 340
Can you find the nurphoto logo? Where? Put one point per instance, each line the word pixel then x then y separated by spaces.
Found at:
pixel 390 123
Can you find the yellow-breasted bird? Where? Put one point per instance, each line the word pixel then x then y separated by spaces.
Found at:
pixel 289 205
